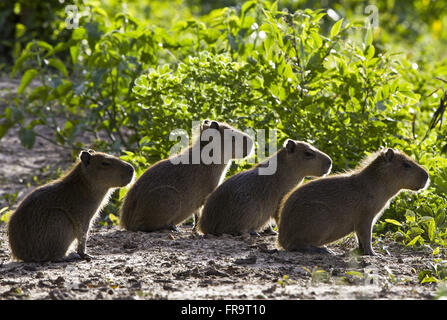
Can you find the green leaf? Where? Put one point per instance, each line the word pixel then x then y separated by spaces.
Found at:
pixel 232 42
pixel 431 229
pixel 317 39
pixel 5 215
pixel 19 63
pixel 355 273
pixel 27 137
pixel 56 63
pixel 100 11
pixel 369 37
pixel 429 279
pixel 40 92
pixel 247 6
pixel 370 50
pixel 336 28
pixel 410 216
pixel 79 34
pixel 26 79
pixel 45 45
pixel 392 221
pixel 114 219
pixel 74 52
pixel 413 242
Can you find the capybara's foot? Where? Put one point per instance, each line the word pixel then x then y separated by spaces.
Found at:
pixel 254 233
pixel 269 232
pixel 71 257
pixel 85 256
pixel 369 252
pixel 172 227
pixel 315 250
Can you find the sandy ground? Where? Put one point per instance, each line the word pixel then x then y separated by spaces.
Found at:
pixel 129 265
pixel 161 265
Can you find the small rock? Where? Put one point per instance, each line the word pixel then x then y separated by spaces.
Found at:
pixel 270 290
pixel 57 295
pixel 29 267
pixel 115 250
pixel 59 281
pixel 211 271
pixel 129 245
pixel 128 269
pixel 251 259
pixel 168 287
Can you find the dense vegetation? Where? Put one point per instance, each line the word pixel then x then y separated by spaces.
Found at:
pixel 131 73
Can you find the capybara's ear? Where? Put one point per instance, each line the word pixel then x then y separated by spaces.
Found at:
pixel 214 125
pixel 85 157
pixel 290 146
pixel 389 155
pixel 91 151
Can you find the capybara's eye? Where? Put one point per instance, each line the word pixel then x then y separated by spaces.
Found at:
pixel 105 163
pixel 406 165
pixel 309 154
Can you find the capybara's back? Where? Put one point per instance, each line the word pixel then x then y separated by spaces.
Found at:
pixel 171 190
pixel 152 195
pixel 247 201
pixel 38 236
pixel 51 217
pixel 327 209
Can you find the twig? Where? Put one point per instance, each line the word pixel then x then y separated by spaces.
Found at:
pixel 445 81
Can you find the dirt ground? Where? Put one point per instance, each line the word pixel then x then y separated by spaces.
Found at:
pixel 162 265
pixel 129 265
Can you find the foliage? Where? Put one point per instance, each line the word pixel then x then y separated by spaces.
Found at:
pixel 5 214
pixel 436 273
pixel 24 20
pixel 122 83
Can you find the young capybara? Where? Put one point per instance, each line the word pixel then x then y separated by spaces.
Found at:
pixel 327 209
pixel 247 201
pixel 52 216
pixel 171 190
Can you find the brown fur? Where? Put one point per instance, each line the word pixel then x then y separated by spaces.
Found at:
pixel 52 216
pixel 327 209
pixel 247 201
pixel 167 193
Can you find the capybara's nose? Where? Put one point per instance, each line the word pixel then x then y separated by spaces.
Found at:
pixel 328 165
pixel 425 178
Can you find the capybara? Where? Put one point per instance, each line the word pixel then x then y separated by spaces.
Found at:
pixel 52 216
pixel 247 201
pixel 327 209
pixel 171 190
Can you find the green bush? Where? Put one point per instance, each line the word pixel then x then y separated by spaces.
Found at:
pixel 131 83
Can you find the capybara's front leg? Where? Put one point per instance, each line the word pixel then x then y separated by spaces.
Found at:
pixel 82 240
pixel 364 234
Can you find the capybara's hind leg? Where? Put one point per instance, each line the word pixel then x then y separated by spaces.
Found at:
pixel 161 211
pixel 313 250
pixel 269 230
